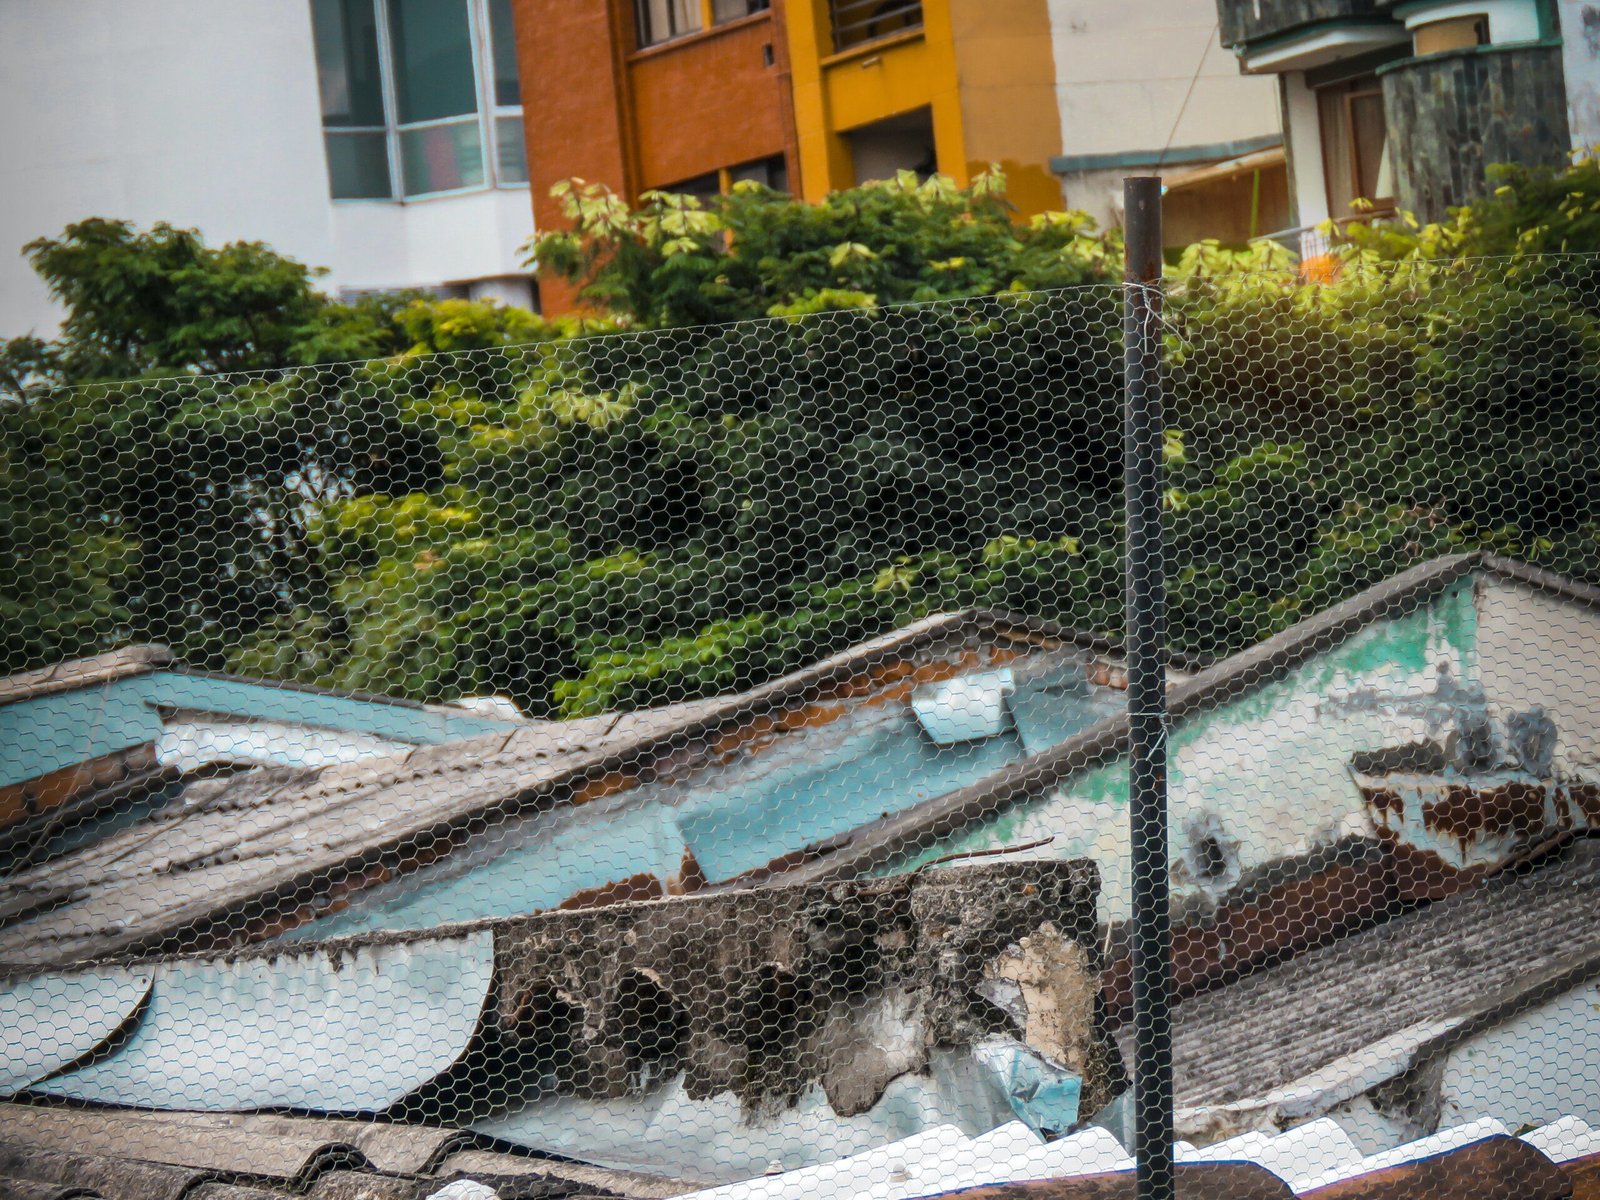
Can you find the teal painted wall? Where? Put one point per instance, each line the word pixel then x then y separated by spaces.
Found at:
pixel 1269 767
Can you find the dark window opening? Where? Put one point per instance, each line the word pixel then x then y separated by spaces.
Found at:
pixel 856 22
pixel 723 11
pixel 885 148
pixel 703 187
pixel 662 20
pixel 771 172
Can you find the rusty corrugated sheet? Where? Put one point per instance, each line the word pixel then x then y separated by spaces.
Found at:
pixel 1196 1181
pixel 1497 1168
pixel 1585 1176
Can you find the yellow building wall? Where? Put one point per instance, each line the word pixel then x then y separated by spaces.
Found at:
pixel 984 69
pixel 1006 77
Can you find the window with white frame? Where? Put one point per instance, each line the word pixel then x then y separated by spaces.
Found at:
pixel 419 97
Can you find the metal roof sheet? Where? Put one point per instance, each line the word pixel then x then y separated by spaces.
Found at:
pixel 966 708
pixel 52 1021
pixel 262 1145
pixel 269 832
pixel 83 672
pixel 346 1030
pixel 1240 1042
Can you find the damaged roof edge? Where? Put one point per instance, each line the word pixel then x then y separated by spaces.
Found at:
pixel 1545 581
pixel 460 998
pixel 913 829
pixel 229 913
pixel 85 672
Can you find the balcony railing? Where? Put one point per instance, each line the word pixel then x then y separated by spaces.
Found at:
pixel 1244 21
pixel 856 22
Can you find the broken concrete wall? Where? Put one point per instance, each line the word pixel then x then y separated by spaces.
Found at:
pixel 871 1008
pixel 849 985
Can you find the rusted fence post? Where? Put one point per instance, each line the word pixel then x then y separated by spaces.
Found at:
pixel 1143 435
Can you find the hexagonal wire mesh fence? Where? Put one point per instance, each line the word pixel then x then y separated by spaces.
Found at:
pixel 695 760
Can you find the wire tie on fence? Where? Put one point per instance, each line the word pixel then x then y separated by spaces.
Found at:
pixel 1163 727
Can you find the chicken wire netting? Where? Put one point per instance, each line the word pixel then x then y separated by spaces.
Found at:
pixel 707 747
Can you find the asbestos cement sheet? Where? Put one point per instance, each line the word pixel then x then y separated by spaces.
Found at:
pixel 331 1030
pixel 52 1021
pixel 718 1140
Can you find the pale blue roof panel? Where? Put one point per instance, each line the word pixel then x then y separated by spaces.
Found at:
pixel 52 1021
pixel 328 1029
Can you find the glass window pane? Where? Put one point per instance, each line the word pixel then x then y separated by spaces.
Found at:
pixel 441 158
pixel 503 40
pixel 1337 167
pixel 703 187
pixel 663 19
pixel 358 166
pixel 432 59
pixel 346 36
pixel 1369 132
pixel 510 150
pixel 731 10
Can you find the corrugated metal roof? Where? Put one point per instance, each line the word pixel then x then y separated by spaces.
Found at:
pixel 1280 1025
pixel 267 1146
pixel 1091 1164
pixel 123 1155
pixel 260 837
pixel 348 1030
pixel 52 1021
pixel 85 714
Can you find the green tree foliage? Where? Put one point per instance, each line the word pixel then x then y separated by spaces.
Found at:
pixel 178 510
pixel 1531 211
pixel 494 502
pixel 679 260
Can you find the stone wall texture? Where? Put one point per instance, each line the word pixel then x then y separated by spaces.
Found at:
pixel 1452 115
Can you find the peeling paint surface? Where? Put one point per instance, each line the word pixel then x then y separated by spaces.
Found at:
pixel 1268 771
pixel 770 799
pixel 1580 68
pixel 52 1021
pixel 1478 821
pixel 328 1030
pixel 537 866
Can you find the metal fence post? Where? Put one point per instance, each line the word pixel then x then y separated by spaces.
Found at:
pixel 1143 435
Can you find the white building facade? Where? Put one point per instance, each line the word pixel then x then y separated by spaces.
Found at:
pixel 1145 87
pixel 381 139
